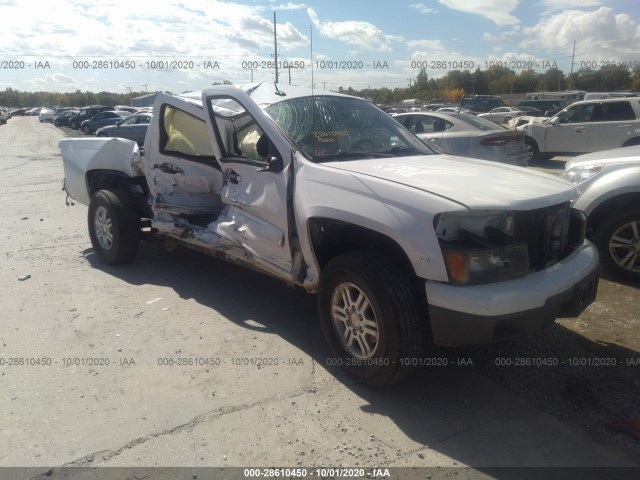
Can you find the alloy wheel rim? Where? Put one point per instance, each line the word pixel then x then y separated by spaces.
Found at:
pixel 103 227
pixel 354 321
pixel 624 246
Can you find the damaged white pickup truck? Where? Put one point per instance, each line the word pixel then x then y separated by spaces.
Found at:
pixel 403 246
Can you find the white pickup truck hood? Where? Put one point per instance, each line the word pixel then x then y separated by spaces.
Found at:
pixel 476 184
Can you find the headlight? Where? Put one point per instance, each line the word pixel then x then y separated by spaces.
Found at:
pixel 580 174
pixel 473 259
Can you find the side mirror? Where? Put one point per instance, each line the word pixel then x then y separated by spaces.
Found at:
pixel 274 164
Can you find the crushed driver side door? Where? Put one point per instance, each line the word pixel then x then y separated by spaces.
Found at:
pixel 255 161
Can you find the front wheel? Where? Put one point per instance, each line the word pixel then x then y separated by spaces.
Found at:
pixel 114 226
pixel 369 316
pixel 532 149
pixel 618 242
pixel 87 130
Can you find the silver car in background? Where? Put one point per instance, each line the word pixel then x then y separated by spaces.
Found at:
pixel 46 115
pixel 608 182
pixel 468 136
pixel 502 114
pixel 132 128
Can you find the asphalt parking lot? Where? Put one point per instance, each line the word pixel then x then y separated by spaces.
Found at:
pixel 183 360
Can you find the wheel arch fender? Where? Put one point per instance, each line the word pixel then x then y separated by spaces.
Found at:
pixel 608 205
pixel 330 237
pixel 81 156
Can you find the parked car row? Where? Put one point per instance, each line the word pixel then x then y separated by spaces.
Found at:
pixel 105 121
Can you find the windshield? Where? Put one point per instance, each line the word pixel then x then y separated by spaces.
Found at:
pixel 328 128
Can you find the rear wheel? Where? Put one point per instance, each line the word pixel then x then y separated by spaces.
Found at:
pixel 101 134
pixel 618 241
pixel 369 316
pixel 114 226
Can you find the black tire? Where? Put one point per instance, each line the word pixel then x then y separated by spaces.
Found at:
pixel 631 143
pixel 101 134
pixel 73 125
pixel 507 119
pixel 87 130
pixel 391 305
pixel 114 226
pixel 618 242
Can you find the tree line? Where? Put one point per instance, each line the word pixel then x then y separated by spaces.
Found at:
pixel 498 80
pixel 16 98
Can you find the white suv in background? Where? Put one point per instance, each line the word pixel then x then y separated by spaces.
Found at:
pixel 587 126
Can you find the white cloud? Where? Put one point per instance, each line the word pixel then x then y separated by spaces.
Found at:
pixel 599 33
pixel 498 11
pixel 224 31
pixel 61 78
pixel 259 31
pixel 426 44
pixel 559 5
pixel 361 34
pixel 422 8
pixel 503 38
pixel 289 6
pixel 291 37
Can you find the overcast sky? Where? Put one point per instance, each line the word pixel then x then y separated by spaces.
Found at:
pixel 186 45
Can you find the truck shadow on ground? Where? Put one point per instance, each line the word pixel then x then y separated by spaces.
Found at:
pixel 476 411
pixel 621 281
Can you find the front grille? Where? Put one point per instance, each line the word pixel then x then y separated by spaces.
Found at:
pixel 546 233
